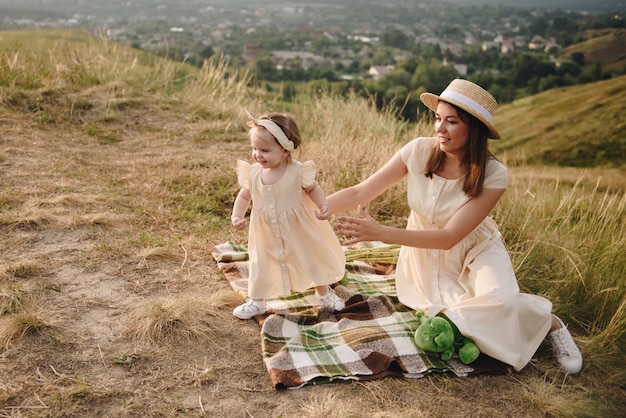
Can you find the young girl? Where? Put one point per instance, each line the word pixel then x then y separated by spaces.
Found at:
pixel 291 245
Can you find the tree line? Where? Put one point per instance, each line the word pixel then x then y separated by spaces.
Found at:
pixel 424 66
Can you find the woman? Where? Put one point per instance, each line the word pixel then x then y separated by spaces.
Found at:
pixel 452 260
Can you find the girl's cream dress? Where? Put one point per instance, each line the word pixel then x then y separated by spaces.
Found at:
pixel 289 248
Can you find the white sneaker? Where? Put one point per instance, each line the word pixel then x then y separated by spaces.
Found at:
pixel 565 349
pixel 331 300
pixel 249 309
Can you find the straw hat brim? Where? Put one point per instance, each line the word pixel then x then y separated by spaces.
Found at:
pixel 431 100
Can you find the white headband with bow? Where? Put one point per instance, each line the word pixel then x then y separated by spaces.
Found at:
pixel 274 129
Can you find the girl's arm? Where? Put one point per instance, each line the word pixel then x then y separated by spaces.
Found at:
pixel 317 196
pixel 458 227
pixel 360 194
pixel 240 207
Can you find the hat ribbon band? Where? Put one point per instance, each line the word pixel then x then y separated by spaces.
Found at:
pixel 274 129
pixel 468 102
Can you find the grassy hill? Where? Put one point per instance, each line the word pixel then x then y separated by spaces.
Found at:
pixel 580 126
pixel 583 5
pixel 117 172
pixel 603 46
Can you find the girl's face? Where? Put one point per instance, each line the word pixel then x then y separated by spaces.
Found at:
pixel 265 149
pixel 452 132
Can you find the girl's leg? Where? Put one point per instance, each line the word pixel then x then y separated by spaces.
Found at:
pixel 322 290
pixel 328 297
pixel 251 308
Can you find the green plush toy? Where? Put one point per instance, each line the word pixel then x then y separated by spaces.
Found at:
pixel 439 335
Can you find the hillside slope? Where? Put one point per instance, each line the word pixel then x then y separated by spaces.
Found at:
pixel 585 5
pixel 582 126
pixel 603 46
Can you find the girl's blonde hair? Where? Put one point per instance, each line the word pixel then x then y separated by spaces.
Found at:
pixel 284 122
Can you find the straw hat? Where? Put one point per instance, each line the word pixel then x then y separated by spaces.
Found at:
pixel 469 97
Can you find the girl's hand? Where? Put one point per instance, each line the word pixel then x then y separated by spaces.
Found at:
pixel 323 213
pixel 360 229
pixel 238 222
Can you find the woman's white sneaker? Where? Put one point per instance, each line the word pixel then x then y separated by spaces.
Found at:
pixel 565 350
pixel 249 309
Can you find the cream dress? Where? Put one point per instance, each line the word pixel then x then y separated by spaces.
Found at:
pixel 473 283
pixel 289 248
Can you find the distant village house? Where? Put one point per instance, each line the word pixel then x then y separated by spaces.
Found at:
pixel 377 71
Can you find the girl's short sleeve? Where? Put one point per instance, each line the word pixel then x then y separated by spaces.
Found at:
pixel 308 174
pixel 243 173
pixel 496 175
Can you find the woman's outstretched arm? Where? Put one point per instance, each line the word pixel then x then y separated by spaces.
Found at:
pixel 458 227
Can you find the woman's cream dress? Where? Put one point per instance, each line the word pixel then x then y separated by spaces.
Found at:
pixel 289 248
pixel 472 283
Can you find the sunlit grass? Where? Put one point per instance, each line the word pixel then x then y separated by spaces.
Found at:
pixel 567 243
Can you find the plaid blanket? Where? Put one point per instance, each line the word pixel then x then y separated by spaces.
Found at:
pixel 306 343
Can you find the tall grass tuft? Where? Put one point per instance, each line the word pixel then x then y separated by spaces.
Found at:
pixel 567 243
pixel 213 92
pixel 74 60
pixel 31 219
pixel 13 299
pixel 172 321
pixel 14 326
pixel 77 61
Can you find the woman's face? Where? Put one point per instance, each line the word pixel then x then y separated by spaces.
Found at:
pixel 452 132
pixel 265 149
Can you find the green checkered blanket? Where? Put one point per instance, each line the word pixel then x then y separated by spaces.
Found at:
pixel 305 343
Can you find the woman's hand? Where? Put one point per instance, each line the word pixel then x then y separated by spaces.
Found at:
pixel 360 229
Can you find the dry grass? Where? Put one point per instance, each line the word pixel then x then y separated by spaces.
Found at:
pixel 15 326
pixel 31 219
pixel 13 298
pixel 116 176
pixel 174 320
pixel 22 269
